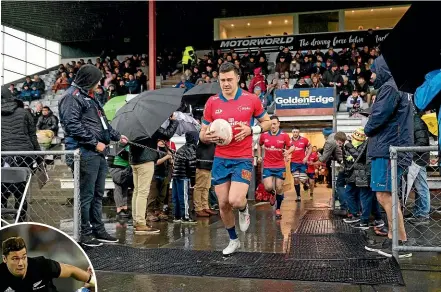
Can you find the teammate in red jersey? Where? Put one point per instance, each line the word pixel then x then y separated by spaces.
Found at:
pixel 233 163
pixel 274 143
pixel 299 151
pixel 312 170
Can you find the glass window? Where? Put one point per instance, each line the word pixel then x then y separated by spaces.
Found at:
pixel 14 65
pixel 318 22
pixel 36 55
pixel 53 47
pixel 11 76
pixel 32 69
pixel 52 59
pixel 36 40
pixel 14 47
pixel 15 32
pixel 375 18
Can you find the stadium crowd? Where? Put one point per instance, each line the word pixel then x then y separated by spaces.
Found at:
pixel 349 70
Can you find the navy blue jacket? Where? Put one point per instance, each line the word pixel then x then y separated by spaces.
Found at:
pixel 391 121
pixel 79 117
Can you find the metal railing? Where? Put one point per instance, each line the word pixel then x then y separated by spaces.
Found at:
pixel 416 191
pixel 43 201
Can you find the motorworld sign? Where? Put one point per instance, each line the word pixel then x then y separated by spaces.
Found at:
pixel 300 98
pixel 303 41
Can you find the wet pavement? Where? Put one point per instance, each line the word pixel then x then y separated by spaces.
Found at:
pixel 422 272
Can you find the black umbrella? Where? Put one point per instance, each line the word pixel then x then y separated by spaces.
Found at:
pixel 409 36
pixel 142 116
pixel 200 93
pixel 366 112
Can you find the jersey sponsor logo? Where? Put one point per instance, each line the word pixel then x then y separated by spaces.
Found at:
pixel 243 108
pixel 246 174
pixel 218 111
pixel 234 123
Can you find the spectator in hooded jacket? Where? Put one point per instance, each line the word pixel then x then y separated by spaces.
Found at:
pixel 391 123
pixel 86 128
pixel 100 95
pixel 422 193
pixel 306 67
pixel 258 80
pixel 263 64
pixel 183 175
pixel 18 134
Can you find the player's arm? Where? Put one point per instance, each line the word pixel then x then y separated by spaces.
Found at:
pixel 308 152
pixel 265 123
pixel 68 271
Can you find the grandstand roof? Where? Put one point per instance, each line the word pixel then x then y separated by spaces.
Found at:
pixel 69 21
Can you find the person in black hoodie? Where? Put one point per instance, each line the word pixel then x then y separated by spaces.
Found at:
pixel 184 171
pixel 204 163
pixel 86 128
pixel 142 161
pixel 18 134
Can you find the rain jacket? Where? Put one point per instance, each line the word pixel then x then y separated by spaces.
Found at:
pixel 258 80
pixel 185 159
pixel 391 121
pixel 80 114
pixel 18 128
pixel 428 96
pixel 49 122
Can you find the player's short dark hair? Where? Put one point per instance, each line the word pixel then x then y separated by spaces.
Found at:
pixel 46 107
pixel 12 244
pixel 274 117
pixel 295 128
pixel 340 136
pixel 228 67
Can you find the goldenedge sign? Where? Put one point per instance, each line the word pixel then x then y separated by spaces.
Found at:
pixel 303 41
pixel 301 98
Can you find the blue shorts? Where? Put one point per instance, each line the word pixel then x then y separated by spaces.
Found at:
pixel 381 176
pixel 298 167
pixel 311 175
pixel 275 172
pixel 238 170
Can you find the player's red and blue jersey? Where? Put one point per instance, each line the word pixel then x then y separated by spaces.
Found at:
pixel 312 158
pixel 300 146
pixel 242 109
pixel 274 145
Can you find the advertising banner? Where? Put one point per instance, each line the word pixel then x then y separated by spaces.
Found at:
pixel 304 101
pixel 303 41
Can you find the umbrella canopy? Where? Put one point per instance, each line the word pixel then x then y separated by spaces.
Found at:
pixel 200 93
pixel 142 116
pixel 113 105
pixel 432 123
pixel 367 112
pixel 407 35
pixel 186 123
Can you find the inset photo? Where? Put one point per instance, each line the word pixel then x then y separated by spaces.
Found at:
pixel 38 257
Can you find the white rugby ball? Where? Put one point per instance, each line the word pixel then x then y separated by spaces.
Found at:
pixel 222 129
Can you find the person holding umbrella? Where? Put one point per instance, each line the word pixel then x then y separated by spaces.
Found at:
pixel 86 128
pixel 233 163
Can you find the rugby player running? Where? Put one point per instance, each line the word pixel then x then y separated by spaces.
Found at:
pixel 233 163
pixel 274 143
pixel 299 151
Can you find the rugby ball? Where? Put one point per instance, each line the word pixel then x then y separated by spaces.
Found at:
pixel 222 129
